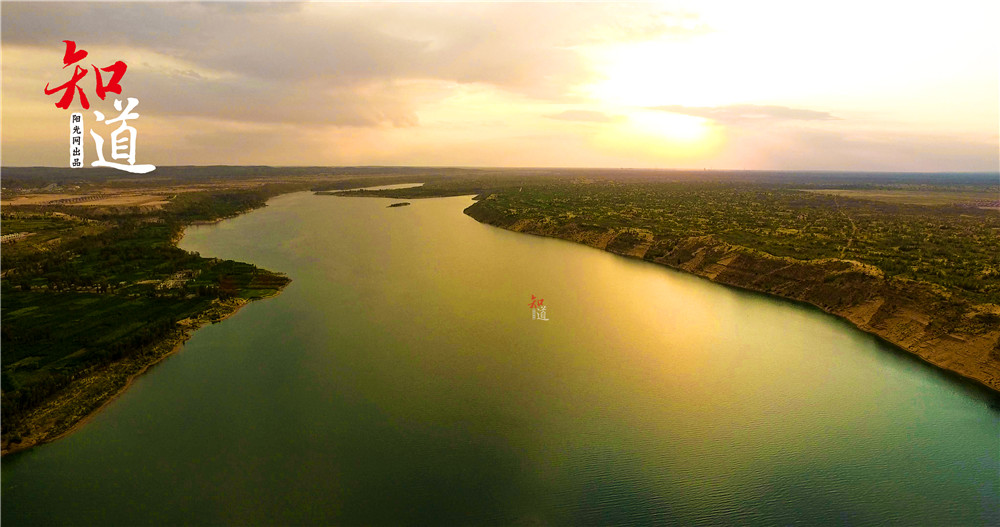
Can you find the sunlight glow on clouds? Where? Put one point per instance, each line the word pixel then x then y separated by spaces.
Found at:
pixel 782 85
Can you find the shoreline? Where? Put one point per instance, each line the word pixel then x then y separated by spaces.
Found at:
pixel 222 310
pixel 957 375
pixel 175 343
pixel 913 349
pixel 134 367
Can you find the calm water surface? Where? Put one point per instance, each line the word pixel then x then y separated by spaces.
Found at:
pixel 400 378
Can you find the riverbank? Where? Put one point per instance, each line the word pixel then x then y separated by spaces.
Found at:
pixel 73 406
pixel 75 339
pixel 952 334
pixel 108 352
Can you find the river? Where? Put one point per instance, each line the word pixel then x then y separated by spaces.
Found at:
pixel 401 378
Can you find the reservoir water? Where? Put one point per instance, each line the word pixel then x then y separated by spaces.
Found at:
pixel 400 378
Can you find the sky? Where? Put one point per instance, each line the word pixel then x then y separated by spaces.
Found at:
pixel 764 85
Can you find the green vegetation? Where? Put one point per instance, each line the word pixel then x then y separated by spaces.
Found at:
pixel 949 240
pixel 954 247
pixel 91 289
pixel 925 196
pixel 926 278
pixel 92 295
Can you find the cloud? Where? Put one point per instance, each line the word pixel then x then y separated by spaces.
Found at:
pixel 357 65
pixel 464 83
pixel 624 26
pixel 748 113
pixel 586 116
pixel 527 49
pixel 274 101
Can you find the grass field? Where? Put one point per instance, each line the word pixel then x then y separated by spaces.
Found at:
pixel 988 197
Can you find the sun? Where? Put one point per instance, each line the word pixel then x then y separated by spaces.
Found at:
pixel 662 137
pixel 636 78
pixel 670 126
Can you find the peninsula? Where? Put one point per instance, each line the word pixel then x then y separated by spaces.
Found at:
pixel 96 291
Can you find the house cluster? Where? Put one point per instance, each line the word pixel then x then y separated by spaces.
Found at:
pixel 81 199
pixel 6 238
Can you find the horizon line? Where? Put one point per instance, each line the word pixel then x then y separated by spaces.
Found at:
pixel 486 167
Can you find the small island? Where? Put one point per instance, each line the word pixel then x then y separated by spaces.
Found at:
pixel 400 204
